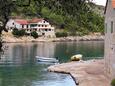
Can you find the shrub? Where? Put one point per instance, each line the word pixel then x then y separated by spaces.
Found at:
pixel 22 32
pixel 61 34
pixel 18 33
pixel 34 34
pixel 72 34
pixel 113 82
pixel 27 34
pixel 15 32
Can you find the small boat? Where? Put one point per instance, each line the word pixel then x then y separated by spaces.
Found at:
pixel 77 57
pixel 45 59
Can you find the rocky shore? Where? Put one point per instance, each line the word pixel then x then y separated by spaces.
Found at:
pixel 84 73
pixel 9 38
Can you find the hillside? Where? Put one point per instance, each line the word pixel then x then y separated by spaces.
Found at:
pixel 72 17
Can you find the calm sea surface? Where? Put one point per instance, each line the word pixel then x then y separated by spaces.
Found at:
pixel 18 66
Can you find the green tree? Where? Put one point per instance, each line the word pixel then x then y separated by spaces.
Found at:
pixel 6 8
pixel 61 34
pixel 34 34
pixel 71 15
pixel 15 32
pixel 18 33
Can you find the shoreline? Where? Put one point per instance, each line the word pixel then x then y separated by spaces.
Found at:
pixel 9 38
pixel 84 73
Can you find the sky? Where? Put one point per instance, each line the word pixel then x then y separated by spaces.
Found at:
pixel 100 2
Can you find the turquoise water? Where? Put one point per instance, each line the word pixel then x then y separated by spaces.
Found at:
pixel 18 66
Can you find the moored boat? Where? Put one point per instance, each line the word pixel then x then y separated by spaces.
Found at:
pixel 45 59
pixel 77 57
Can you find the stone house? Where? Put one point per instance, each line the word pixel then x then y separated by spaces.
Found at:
pixel 41 26
pixel 110 38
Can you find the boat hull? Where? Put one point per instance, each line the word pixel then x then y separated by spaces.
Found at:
pixel 77 57
pixel 44 59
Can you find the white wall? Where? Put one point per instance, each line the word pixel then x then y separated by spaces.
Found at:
pixel 17 25
pixel 10 23
pixel 42 29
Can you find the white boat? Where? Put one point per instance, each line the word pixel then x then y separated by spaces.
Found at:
pixel 45 59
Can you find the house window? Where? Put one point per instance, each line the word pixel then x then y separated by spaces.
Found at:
pixel 22 26
pixel 27 26
pixel 49 29
pixel 38 25
pixel 105 27
pixel 111 26
pixel 46 30
pixel 33 25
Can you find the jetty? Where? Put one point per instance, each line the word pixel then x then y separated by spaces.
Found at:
pixel 84 73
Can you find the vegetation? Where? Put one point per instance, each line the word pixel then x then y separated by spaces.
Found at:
pixel 113 82
pixel 18 33
pixel 73 16
pixel 61 34
pixel 6 8
pixel 34 34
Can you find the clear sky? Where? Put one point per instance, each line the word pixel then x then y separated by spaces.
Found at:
pixel 100 2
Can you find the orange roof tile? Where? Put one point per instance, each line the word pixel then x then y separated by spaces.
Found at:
pixel 113 3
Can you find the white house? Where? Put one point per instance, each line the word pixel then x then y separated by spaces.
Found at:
pixel 17 23
pixel 110 38
pixel 42 27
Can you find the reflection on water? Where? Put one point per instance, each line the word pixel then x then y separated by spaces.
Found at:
pixel 26 52
pixel 18 66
